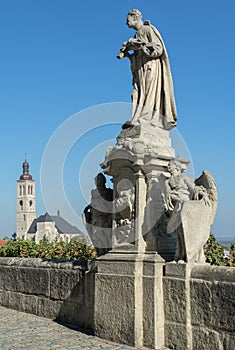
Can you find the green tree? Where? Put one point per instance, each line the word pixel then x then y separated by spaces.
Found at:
pixel 214 252
pixel 232 252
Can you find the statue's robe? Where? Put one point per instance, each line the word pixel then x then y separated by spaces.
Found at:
pixel 153 93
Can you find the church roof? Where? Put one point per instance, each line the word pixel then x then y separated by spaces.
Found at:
pixel 61 224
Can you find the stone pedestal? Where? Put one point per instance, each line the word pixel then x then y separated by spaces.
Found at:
pixel 141 156
pixel 129 298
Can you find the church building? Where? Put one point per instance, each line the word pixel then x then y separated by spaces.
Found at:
pixel 45 226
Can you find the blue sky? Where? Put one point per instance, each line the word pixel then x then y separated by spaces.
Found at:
pixel 58 57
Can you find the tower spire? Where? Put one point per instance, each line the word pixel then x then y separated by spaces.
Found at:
pixel 26 175
pixel 25 202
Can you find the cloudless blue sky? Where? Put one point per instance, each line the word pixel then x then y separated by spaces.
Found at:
pixel 58 57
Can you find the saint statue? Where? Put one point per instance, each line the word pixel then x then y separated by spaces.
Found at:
pixel 153 93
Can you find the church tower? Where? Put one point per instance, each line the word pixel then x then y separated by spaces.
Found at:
pixel 25 202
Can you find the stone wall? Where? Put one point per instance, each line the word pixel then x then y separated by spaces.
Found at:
pixel 63 291
pixel 199 304
pixel 195 302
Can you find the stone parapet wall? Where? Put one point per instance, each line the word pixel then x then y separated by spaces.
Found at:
pixel 63 291
pixel 199 304
pixel 135 301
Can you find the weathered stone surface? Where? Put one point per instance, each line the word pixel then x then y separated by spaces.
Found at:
pixel 28 303
pixel 33 281
pixel 153 315
pixel 4 298
pixel 174 269
pixel 48 308
pixel 89 299
pixel 206 339
pixel 50 289
pixel 14 300
pixel 153 308
pixel 114 309
pixel 69 312
pixel 176 336
pixel 45 263
pixel 207 272
pixel 201 295
pixel 174 300
pixel 229 341
pixel 201 303
pixel 89 317
pixel 68 280
pixel 8 278
pixel 117 267
pixel 223 307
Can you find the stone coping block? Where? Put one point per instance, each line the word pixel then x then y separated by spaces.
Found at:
pixel 200 271
pixel 48 263
pixel 213 273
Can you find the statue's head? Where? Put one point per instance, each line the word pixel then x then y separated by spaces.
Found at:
pixel 100 180
pixel 175 167
pixel 133 18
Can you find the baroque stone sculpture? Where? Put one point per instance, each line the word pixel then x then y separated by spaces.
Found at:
pixel 97 216
pixel 153 95
pixel 153 206
pixel 191 204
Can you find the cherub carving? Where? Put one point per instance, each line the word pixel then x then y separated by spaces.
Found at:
pixel 191 205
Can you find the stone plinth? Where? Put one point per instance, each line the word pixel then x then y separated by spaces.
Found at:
pixel 129 299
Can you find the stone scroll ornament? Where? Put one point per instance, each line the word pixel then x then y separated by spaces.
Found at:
pixel 191 204
pixel 153 93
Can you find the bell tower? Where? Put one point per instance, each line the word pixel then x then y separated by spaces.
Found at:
pixel 25 202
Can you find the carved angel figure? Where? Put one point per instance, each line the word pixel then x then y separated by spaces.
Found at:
pixel 191 205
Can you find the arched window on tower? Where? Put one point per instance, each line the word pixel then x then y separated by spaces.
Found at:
pixel 30 203
pixel 29 189
pixel 23 189
pixel 21 205
pixel 20 190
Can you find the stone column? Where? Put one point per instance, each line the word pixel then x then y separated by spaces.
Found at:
pixel 140 201
pixel 153 305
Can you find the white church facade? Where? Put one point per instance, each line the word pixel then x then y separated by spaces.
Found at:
pixel 45 226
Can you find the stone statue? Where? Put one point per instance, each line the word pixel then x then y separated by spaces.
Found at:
pixel 124 206
pixel 153 94
pixel 191 205
pixel 97 216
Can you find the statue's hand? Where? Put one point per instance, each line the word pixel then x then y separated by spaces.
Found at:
pixel 134 44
